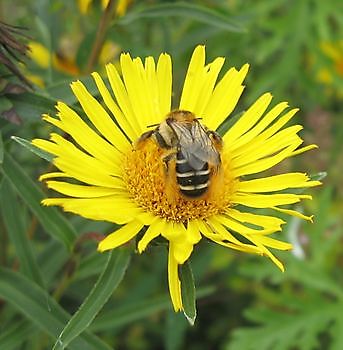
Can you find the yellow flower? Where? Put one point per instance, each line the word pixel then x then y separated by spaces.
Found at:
pixel 331 72
pixel 120 7
pixel 114 178
pixel 41 55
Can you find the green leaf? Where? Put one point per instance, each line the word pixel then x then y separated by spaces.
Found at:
pixel 1 149
pixel 5 104
pixel 185 10
pixel 16 231
pixel 282 330
pixel 188 292
pixel 108 281
pixel 176 329
pixel 12 338
pixel 318 176
pixel 30 106
pixel 41 309
pixel 122 316
pixel 53 222
pixel 27 144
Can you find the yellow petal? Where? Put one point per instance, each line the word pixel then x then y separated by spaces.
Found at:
pixel 222 236
pixel 87 138
pixel 92 171
pixel 53 175
pixel 259 127
pixel 277 183
pixel 114 108
pixel 194 79
pixel 294 213
pixel 266 163
pixel 81 191
pixel 267 201
pixel 99 117
pixel 225 97
pixel 193 234
pixel 274 243
pixel 302 150
pixel 39 54
pixel 248 119
pixel 245 230
pixel 153 231
pixel 111 208
pixel 276 261
pixel 46 145
pixel 83 5
pixel 263 221
pixel 174 281
pixel 205 93
pixel 120 236
pixel 174 231
pixel 138 92
pixel 182 251
pixel 122 98
pixel 164 82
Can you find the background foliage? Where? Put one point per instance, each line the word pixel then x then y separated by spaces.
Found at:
pixel 49 264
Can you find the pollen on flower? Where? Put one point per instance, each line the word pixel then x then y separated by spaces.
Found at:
pixel 150 185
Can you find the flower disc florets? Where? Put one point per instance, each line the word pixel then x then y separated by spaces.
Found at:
pixel 155 190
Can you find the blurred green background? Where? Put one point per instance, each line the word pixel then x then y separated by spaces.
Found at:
pixel 295 49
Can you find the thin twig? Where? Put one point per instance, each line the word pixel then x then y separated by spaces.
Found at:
pixel 101 34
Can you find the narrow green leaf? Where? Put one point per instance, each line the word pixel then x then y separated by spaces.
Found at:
pixel 13 338
pixel 188 292
pixel 43 310
pixel 110 278
pixel 27 144
pixel 185 10
pixel 53 222
pixel 5 104
pixel 30 106
pixel 124 315
pixel 1 149
pixel 319 176
pixel 16 231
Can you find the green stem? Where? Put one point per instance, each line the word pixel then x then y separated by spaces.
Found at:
pixel 101 34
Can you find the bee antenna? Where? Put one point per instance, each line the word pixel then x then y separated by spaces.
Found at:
pixel 151 125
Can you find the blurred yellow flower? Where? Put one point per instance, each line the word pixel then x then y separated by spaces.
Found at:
pixel 120 8
pixel 328 74
pixel 43 58
pixel 105 174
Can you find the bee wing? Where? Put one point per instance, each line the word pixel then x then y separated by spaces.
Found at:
pixel 195 145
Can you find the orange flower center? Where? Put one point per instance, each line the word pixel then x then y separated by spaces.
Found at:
pixel 155 188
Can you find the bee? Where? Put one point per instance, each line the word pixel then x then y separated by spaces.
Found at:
pixel 192 152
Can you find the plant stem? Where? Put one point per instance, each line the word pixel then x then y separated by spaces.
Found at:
pixel 101 34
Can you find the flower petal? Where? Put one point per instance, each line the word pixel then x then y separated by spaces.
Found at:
pixel 99 117
pixel 276 183
pixel 267 200
pixel 120 236
pixel 111 208
pixel 153 231
pixel 248 119
pixel 82 191
pixel 164 82
pixel 224 97
pixel 125 123
pixel 173 279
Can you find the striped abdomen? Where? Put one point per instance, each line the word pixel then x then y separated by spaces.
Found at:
pixel 192 183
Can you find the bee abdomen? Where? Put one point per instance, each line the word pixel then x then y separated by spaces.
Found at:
pixel 192 183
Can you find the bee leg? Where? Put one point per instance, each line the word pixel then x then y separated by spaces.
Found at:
pixel 167 158
pixel 215 138
pixel 144 137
